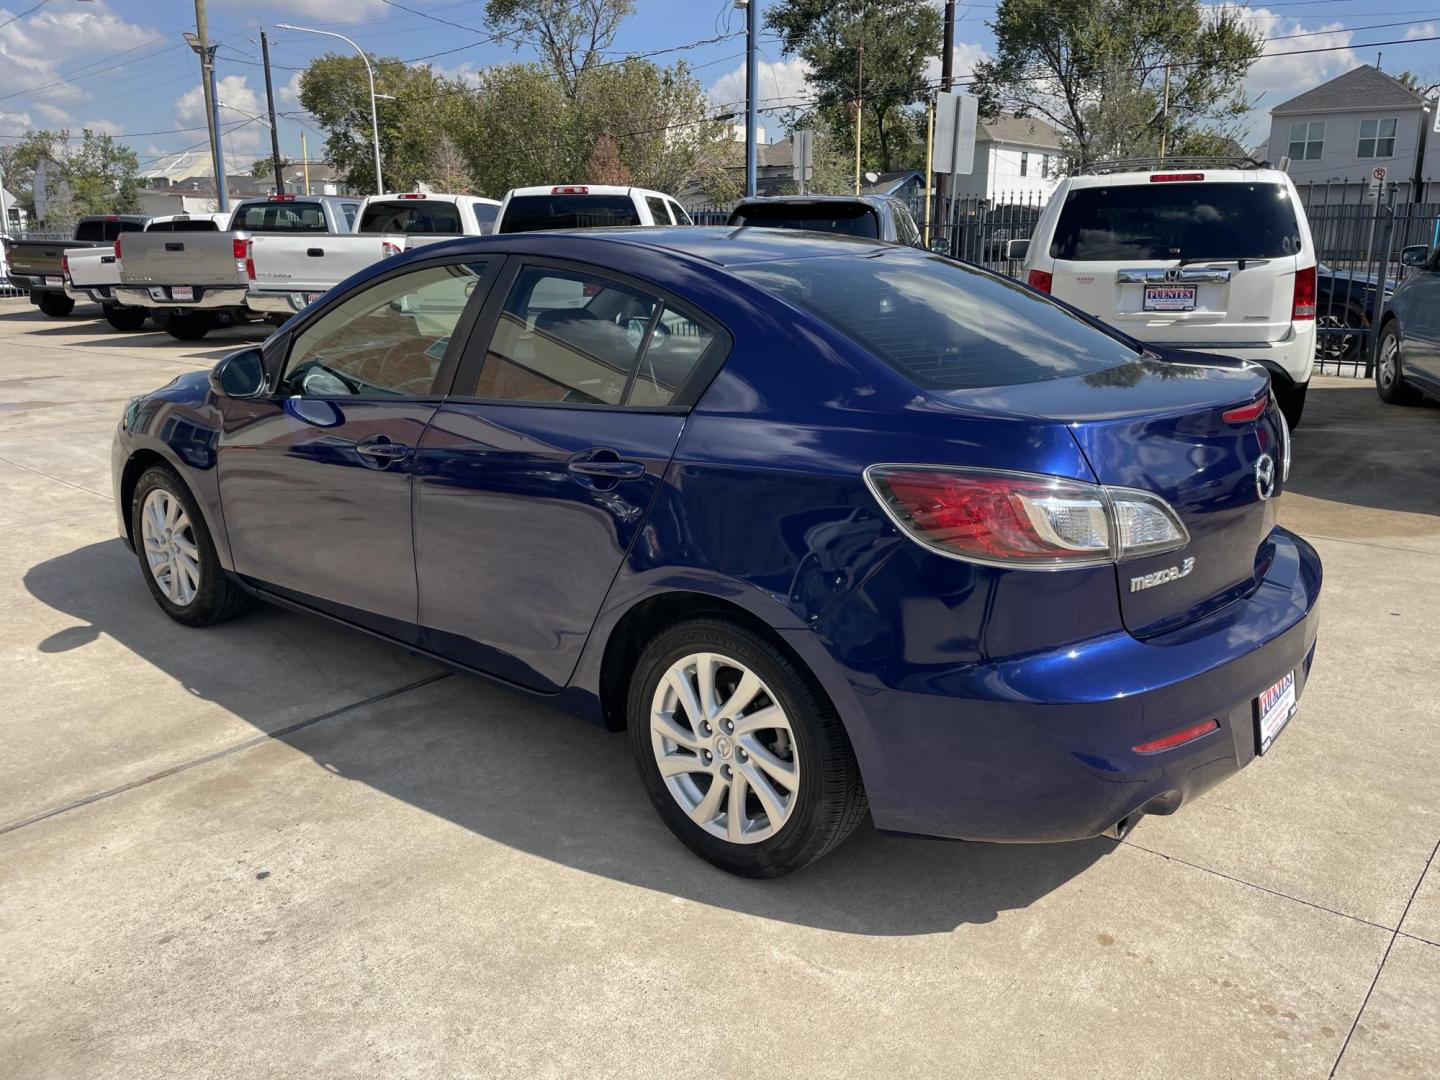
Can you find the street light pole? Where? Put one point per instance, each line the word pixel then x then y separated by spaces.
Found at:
pixel 370 74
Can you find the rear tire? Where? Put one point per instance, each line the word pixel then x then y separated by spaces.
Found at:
pixel 191 327
pixel 56 305
pixel 791 763
pixel 125 318
pixel 177 556
pixel 1389 370
pixel 1292 402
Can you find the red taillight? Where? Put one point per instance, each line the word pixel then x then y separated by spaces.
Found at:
pixel 238 248
pixel 1243 414
pixel 388 250
pixel 1177 738
pixel 411 195
pixel 112 217
pixel 1039 280
pixel 65 265
pixel 282 198
pixel 1304 309
pixel 117 247
pixel 569 189
pixel 1174 177
pixel 250 259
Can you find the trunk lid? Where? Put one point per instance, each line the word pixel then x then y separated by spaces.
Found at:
pixel 1158 426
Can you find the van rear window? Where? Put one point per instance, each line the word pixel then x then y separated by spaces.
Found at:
pixel 1177 221
pixel 849 219
pixel 418 216
pixel 281 217
pixel 529 213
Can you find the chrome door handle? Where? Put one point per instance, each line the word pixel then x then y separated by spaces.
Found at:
pixel 383 449
pixel 609 470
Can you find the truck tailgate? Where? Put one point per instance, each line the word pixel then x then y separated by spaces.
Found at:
pixel 317 262
pixel 181 259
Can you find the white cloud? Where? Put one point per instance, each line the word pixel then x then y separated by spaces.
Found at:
pixel 34 49
pixel 1428 29
pixel 966 55
pixel 336 11
pixel 100 127
pixel 1277 77
pixel 238 103
pixel 287 98
pixel 53 114
pixel 782 85
pixel 16 123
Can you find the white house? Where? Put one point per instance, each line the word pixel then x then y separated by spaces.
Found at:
pixel 1340 131
pixel 1015 158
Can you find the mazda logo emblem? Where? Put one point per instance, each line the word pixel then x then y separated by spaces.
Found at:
pixel 1265 476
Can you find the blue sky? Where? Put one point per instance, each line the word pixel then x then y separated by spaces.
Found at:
pixel 120 65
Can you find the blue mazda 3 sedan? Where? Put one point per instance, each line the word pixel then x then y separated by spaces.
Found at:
pixel 828 525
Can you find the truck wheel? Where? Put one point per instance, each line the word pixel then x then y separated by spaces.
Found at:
pixel 125 318
pixel 56 305
pixel 191 327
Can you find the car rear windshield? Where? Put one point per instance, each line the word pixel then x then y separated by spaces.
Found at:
pixel 942 325
pixel 281 217
pixel 851 219
pixel 529 213
pixel 419 216
pixel 193 225
pixel 105 229
pixel 1170 220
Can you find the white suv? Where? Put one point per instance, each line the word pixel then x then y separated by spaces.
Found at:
pixel 586 206
pixel 1218 260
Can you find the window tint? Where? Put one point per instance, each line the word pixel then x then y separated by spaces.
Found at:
pixel 100 229
pixel 419 216
pixel 657 210
pixel 678 213
pixel 90 230
pixel 1177 220
pixel 350 209
pixel 299 217
pixel 942 325
pixel 583 339
pixel 485 216
pixel 906 231
pixel 192 225
pixel 846 218
pixel 528 213
pixel 385 341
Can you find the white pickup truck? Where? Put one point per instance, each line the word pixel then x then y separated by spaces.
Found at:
pixel 278 255
pixel 586 206
pixel 93 273
pixel 425 217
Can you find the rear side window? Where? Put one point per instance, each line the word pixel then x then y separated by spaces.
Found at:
pixel 848 219
pixel 529 213
pixel 678 213
pixel 942 325
pixel 193 225
pixel 1177 221
pixel 415 216
pixel 280 217
pixel 657 210
pixel 485 215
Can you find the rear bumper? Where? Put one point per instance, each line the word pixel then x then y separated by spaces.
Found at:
pixel 208 297
pixel 100 294
pixel 1289 361
pixel 1038 747
pixel 33 284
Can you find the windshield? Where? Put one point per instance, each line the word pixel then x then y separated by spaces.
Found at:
pixel 849 219
pixel 281 217
pixel 1177 221
pixel 528 213
pixel 942 325
pixel 420 216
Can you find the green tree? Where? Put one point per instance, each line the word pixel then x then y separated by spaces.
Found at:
pixel 94 175
pixel 897 37
pixel 571 35
pixel 265 166
pixel 1096 70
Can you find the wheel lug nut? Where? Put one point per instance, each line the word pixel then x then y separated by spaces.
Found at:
pixel 725 771
pixel 728 725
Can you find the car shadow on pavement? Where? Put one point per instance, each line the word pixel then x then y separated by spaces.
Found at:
pixel 1352 448
pixel 522 774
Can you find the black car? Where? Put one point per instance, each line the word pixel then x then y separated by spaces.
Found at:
pixel 876 217
pixel 1407 358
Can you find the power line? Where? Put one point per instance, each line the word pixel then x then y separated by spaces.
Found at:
pixel 27 11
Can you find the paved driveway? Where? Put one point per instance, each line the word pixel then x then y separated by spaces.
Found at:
pixel 275 848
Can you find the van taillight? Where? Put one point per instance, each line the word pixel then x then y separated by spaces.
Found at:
pixel 250 259
pixel 1304 309
pixel 1039 280
pixel 1175 177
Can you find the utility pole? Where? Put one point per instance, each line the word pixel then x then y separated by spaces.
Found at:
pixel 305 161
pixel 947 82
pixel 274 129
pixel 1165 116
pixel 200 42
pixel 752 92
pixel 859 110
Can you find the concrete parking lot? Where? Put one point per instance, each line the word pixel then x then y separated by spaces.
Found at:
pixel 277 848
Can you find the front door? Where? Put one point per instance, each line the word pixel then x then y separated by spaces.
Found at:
pixel 1422 327
pixel 532 486
pixel 315 479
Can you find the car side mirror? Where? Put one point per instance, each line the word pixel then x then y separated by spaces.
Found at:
pixel 940 245
pixel 239 375
pixel 1017 249
pixel 1414 255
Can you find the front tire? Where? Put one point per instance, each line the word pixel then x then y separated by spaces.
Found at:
pixel 1389 371
pixel 177 555
pixel 190 327
pixel 740 751
pixel 56 305
pixel 128 319
pixel 1291 400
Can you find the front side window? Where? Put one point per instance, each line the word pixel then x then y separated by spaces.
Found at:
pixel 1377 139
pixel 1307 141
pixel 567 337
pixel 350 209
pixel 386 341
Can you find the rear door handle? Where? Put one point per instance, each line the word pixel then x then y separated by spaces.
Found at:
pixel 609 470
pixel 382 449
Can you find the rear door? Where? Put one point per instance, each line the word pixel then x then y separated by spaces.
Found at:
pixel 535 477
pixel 1207 263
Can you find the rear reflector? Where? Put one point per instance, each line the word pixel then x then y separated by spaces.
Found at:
pixel 1039 280
pixel 1173 177
pixel 1304 308
pixel 1245 413
pixel 569 189
pixel 1177 738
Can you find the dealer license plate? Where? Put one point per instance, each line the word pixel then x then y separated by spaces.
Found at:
pixel 1273 710
pixel 182 292
pixel 58 282
pixel 1170 297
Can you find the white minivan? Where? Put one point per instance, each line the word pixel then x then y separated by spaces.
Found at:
pixel 1218 260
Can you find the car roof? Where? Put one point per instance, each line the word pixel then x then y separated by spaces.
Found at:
pixel 428 196
pixel 780 200
pixel 1208 176
pixel 590 189
pixel 729 245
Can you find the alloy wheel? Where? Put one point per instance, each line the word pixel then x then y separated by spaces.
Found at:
pixel 170 549
pixel 1389 360
pixel 724 748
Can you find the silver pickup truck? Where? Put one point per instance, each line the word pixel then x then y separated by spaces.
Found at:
pixel 278 253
